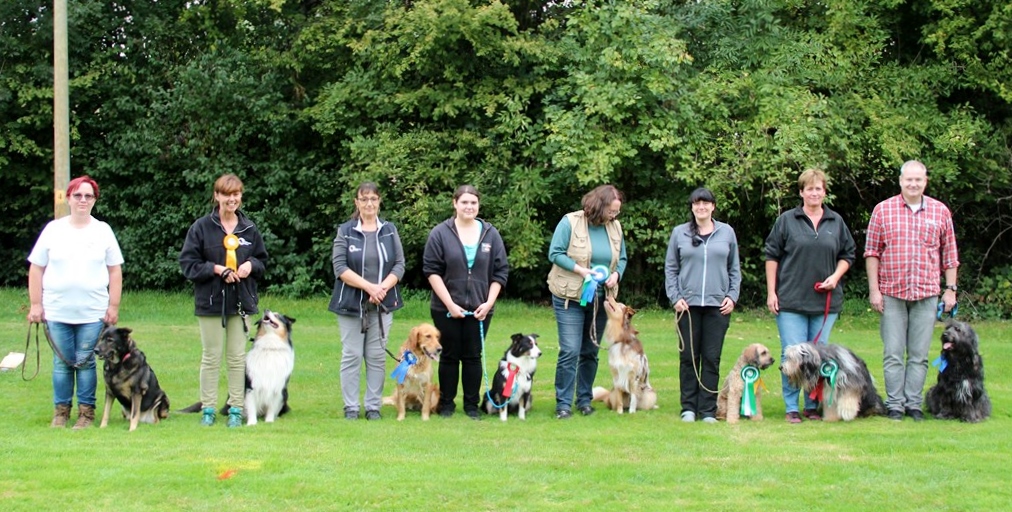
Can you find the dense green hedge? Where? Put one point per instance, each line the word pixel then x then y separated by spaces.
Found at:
pixel 532 102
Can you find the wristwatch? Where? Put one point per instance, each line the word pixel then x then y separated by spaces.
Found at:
pixel 951 287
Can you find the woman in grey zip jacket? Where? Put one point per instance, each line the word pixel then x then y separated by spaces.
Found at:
pixel 702 278
pixel 368 263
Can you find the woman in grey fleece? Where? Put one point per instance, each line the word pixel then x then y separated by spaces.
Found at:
pixel 702 278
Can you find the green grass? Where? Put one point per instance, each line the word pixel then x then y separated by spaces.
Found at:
pixel 314 459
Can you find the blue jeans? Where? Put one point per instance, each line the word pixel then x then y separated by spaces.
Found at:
pixel 77 344
pixel 577 364
pixel 797 328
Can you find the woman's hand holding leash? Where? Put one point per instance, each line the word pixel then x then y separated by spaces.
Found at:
pixel 681 306
pixel 36 315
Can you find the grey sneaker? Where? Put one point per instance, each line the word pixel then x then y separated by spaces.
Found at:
pixel 373 415
pixel 350 415
pixel 709 419
pixel 688 416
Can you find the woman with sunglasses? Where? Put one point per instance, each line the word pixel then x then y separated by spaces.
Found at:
pixel 74 285
pixel 702 278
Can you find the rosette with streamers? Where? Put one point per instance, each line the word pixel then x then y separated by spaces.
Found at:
pixel 598 275
pixel 827 372
pixel 749 374
pixel 231 244
pixel 407 361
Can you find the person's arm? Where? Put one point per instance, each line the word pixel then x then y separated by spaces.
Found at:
pixel 874 295
pixel 559 246
pixel 672 268
pixel 35 311
pixel 115 294
pixel 439 288
pixel 733 276
pixel 949 295
pixel 772 302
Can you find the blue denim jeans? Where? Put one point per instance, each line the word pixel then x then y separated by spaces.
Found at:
pixel 577 364
pixel 797 328
pixel 77 344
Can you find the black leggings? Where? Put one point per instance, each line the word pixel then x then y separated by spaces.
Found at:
pixel 460 360
pixel 701 353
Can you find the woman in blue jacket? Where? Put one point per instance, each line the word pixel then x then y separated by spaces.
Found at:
pixel 368 263
pixel 702 281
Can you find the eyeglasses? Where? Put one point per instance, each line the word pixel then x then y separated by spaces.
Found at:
pixel 83 197
pixel 614 213
pixel 366 200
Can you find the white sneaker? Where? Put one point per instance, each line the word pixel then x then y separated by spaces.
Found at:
pixel 688 416
pixel 709 419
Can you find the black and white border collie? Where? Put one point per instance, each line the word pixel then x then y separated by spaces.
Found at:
pixel 511 387
pixel 269 365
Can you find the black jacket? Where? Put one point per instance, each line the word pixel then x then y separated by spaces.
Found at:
pixel 204 248
pixel 348 300
pixel 444 256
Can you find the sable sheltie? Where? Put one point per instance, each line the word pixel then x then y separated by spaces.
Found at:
pixel 630 372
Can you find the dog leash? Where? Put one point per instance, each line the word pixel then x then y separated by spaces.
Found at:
pixel 484 371
pixel 697 371
pixel 238 306
pixel 38 357
pixel 825 311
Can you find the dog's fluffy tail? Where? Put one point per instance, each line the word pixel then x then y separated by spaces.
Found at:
pixel 601 394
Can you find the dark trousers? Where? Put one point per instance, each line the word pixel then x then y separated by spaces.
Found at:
pixel 460 360
pixel 701 354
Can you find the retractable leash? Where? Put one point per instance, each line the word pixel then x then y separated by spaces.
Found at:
pixel 941 311
pixel 484 371
pixel 940 362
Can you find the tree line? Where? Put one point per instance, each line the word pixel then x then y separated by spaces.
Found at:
pixel 533 102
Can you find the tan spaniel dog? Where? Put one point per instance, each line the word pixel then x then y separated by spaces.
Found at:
pixel 729 398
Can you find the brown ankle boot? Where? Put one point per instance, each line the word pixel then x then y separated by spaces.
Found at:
pixel 85 416
pixel 60 416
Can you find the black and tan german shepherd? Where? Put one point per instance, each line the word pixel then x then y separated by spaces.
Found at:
pixel 129 379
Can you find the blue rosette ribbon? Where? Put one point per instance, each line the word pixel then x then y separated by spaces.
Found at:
pixel 597 276
pixel 941 363
pixel 749 374
pixel 407 361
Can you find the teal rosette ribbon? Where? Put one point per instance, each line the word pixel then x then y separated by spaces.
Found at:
pixel 749 374
pixel 597 276
pixel 828 371
pixel 407 361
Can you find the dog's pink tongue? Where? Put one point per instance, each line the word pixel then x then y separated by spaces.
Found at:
pixel 946 346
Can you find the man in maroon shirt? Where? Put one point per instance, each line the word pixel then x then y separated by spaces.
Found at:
pixel 911 242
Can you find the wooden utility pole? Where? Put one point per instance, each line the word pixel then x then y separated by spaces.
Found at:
pixel 61 111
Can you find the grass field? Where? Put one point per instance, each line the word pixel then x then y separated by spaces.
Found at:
pixel 313 459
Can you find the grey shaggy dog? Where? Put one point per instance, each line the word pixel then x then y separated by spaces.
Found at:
pixel 959 393
pixel 854 394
